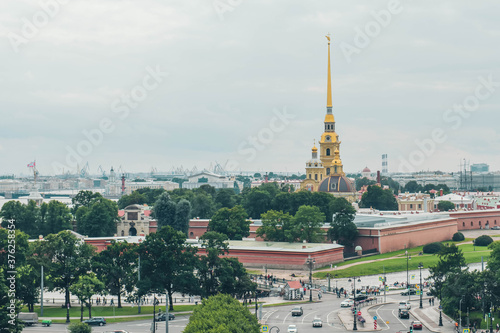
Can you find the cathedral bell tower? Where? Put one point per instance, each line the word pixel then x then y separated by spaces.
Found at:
pixel 329 143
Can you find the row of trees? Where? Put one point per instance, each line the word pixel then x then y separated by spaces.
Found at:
pixel 455 284
pixel 206 200
pixel 95 216
pixel 167 265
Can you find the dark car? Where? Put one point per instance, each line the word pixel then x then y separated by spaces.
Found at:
pixel 416 325
pixel 162 316
pixel 360 297
pixel 100 321
pixel 412 291
pixel 404 314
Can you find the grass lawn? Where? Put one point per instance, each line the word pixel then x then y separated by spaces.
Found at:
pixel 105 311
pixel 472 255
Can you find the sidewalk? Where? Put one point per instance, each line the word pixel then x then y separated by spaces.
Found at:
pixel 429 316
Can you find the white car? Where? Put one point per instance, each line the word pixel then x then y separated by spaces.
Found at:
pixel 317 322
pixel 404 305
pixel 292 329
pixel 347 303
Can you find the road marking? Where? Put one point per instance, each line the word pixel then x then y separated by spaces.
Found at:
pixel 269 314
pixel 397 317
pixel 284 319
pixel 328 315
pixel 307 315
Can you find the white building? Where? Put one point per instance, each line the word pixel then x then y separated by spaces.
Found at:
pixel 212 179
pixel 166 185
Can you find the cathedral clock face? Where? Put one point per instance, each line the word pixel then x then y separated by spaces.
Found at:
pixel 327 138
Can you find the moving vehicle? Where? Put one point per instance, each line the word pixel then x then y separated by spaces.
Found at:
pixel 100 321
pixel 297 311
pixel 317 322
pixel 28 318
pixel 347 303
pixel 162 316
pixel 404 314
pixel 416 325
pixel 404 305
pixel 292 329
pixel 412 291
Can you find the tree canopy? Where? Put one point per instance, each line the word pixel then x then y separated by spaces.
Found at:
pixel 342 228
pixel 377 198
pixel 222 313
pixel 231 222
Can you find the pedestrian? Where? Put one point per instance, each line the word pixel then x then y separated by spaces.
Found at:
pixel 430 301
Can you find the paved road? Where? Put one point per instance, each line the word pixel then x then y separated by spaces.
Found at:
pixel 140 326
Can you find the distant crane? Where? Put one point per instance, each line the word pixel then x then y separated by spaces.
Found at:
pixel 101 170
pixel 85 171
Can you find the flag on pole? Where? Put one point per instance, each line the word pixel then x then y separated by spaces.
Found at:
pixel 32 164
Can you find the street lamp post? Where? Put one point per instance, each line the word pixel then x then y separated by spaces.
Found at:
pixel 420 266
pixel 310 262
pixel 329 287
pixel 460 318
pixel 355 327
pixel 408 258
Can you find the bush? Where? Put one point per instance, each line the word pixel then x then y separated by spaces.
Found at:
pixel 79 327
pixel 458 236
pixel 483 240
pixel 432 248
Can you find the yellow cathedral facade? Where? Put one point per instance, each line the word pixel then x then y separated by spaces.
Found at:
pixel 326 173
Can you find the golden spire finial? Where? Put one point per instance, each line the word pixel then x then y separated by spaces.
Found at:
pixel 329 83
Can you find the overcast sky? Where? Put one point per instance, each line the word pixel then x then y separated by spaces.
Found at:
pixel 246 83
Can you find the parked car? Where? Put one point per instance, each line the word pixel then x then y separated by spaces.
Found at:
pixel 412 291
pixel 416 325
pixel 317 322
pixel 429 293
pixel 404 314
pixel 404 305
pixel 360 297
pixel 297 311
pixel 347 303
pixel 495 227
pixel 162 316
pixel 100 321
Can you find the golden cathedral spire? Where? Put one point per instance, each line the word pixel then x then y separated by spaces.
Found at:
pixel 329 83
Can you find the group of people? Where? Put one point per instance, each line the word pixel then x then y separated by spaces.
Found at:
pixel 98 301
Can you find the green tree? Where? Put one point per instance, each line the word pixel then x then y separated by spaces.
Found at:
pixel 256 202
pixel 277 227
pixel 283 202
pixel 413 187
pixel 26 217
pixel 202 205
pixel 222 313
pixel 451 262
pixel 57 218
pixel 215 245
pixel 116 267
pixel 360 182
pixel 342 228
pixel 167 263
pixel 308 221
pixel 79 327
pixel 323 201
pixel 164 210
pixel 206 189
pixel 445 206
pixel 378 198
pixel 87 286
pixel 225 198
pixel 182 215
pixel 8 320
pixel 231 222
pixel 135 198
pixel 66 257
pixel 301 198
pixel 98 220
pixel 84 198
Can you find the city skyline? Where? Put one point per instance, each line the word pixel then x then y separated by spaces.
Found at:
pixel 143 85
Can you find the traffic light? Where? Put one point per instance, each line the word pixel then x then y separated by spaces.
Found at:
pixel 411 329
